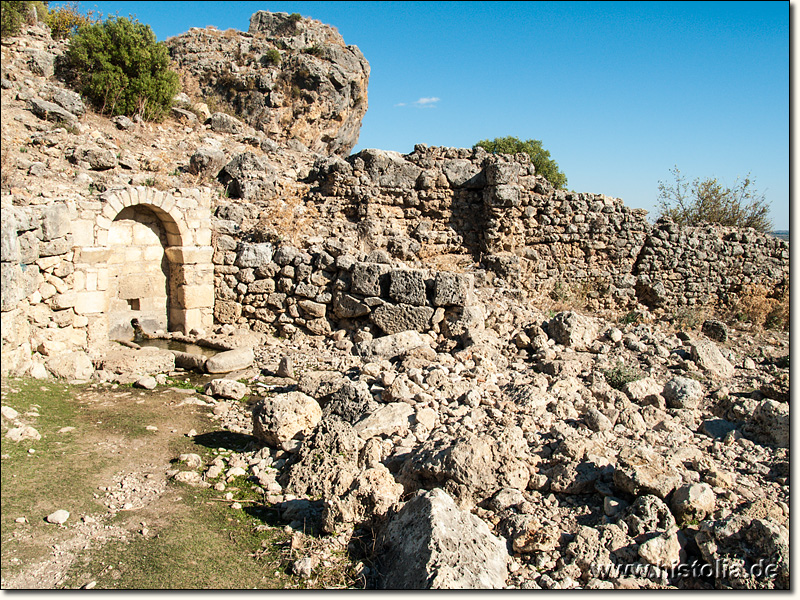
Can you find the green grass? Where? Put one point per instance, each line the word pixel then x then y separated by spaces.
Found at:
pixel 620 376
pixel 194 541
pixel 206 546
pixel 61 473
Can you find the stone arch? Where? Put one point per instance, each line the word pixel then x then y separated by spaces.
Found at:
pixel 174 230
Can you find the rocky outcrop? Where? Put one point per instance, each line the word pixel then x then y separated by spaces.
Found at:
pixel 294 79
pixel 431 544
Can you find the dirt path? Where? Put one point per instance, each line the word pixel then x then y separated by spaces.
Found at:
pixel 110 472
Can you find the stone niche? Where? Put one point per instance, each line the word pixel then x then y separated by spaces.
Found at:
pixel 138 273
pixel 146 254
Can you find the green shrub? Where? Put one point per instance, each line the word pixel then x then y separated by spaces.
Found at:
pixel 620 376
pixel 545 166
pixel 121 68
pixel 708 201
pixel 317 51
pixel 271 57
pixel 65 20
pixel 13 13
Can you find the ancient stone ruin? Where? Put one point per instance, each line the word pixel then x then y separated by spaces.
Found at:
pixel 437 394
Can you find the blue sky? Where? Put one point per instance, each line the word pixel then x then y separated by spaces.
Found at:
pixel 619 93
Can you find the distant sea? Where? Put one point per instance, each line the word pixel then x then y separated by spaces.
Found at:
pixel 782 233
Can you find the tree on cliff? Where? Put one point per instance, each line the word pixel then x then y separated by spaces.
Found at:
pixel 122 69
pixel 708 201
pixel 545 166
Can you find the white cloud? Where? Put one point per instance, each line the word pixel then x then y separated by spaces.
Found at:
pixel 427 102
pixel 421 103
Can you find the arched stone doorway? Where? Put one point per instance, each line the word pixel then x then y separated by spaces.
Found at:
pixel 139 273
pixel 145 254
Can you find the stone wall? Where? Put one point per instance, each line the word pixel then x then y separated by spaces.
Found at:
pixel 323 288
pixel 77 269
pixel 438 203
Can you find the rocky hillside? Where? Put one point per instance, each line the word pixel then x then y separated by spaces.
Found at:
pixel 436 385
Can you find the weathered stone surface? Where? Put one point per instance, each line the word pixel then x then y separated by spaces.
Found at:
pixel 431 544
pixel 71 366
pixel 147 382
pixel 25 432
pixel 327 462
pixel 683 392
pixel 58 517
pixel 572 330
pixel 55 222
pixel 663 550
pixel 740 538
pixel 693 501
pixel 716 330
pixel 346 306
pixel 369 279
pixel 230 360
pixel 330 85
pixel 226 388
pixel 251 255
pixel 389 169
pixel 146 360
pixel 69 101
pixel 394 318
pixel 207 161
pixel 249 177
pixel 387 420
pixel 708 357
pixel 407 287
pixel 225 123
pixel 771 422
pixel 98 159
pixel 285 417
pixel 350 402
pixel 370 497
pixel 641 470
pixel 394 345
pixel 50 111
pixel 453 289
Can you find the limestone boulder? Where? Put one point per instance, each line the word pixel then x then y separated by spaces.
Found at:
pixel 143 361
pixel 279 419
pixel 370 497
pixel 394 345
pixel 573 330
pixel 230 360
pixel 71 366
pixel 708 357
pixel 641 470
pixel 693 501
pixel 771 422
pixel 683 392
pixel 432 544
pixel 389 419
pixel 226 388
